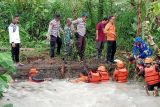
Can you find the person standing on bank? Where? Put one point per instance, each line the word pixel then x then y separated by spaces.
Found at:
pixel 68 42
pixel 80 34
pixel 14 40
pixel 59 41
pixel 100 36
pixel 111 39
pixel 53 33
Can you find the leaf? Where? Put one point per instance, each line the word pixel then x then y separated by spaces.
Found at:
pixel 6 62
pixel 3 84
pixel 8 105
pixel 158 29
pixel 46 10
pixel 6 77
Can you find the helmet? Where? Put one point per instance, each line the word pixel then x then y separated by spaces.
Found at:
pixel 138 39
pixel 148 60
pixel 120 64
pixel 33 71
pixel 101 68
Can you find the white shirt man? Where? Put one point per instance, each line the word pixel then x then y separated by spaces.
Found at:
pixel 14 40
pixel 14 33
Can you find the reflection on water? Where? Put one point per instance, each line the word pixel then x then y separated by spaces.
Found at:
pixel 65 94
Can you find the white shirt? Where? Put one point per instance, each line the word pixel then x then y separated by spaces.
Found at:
pixel 81 26
pixel 14 33
pixel 54 27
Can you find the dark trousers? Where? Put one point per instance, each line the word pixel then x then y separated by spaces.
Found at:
pixel 99 47
pixel 111 50
pixel 53 42
pixel 15 52
pixel 151 87
pixel 81 46
pixel 59 45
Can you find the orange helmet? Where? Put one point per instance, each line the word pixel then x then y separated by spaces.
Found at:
pixel 101 68
pixel 148 60
pixel 33 71
pixel 120 64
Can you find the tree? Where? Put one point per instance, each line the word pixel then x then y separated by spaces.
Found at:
pixel 100 9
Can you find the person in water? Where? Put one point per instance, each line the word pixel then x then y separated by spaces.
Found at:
pixel 93 76
pixel 121 73
pixel 152 76
pixel 141 49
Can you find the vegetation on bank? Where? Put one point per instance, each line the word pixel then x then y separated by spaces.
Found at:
pixel 8 68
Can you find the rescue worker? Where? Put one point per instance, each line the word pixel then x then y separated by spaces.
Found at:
pixel 120 74
pixel 103 73
pixel 141 49
pixel 35 75
pixel 152 76
pixel 93 76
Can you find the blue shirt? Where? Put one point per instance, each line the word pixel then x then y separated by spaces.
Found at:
pixel 142 50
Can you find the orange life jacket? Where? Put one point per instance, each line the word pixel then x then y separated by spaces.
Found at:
pixel 104 75
pixel 121 75
pixel 94 76
pixel 151 76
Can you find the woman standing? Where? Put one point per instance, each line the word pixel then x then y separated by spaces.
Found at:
pixel 111 40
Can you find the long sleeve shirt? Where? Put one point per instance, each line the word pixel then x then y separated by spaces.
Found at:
pixel 81 26
pixel 142 51
pixel 14 33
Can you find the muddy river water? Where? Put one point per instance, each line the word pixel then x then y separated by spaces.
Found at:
pixel 61 93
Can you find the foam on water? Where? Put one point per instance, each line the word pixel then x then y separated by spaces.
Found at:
pixel 65 94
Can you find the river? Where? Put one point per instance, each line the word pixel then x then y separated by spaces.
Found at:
pixel 61 93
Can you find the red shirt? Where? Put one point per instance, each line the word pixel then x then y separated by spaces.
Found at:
pixel 101 36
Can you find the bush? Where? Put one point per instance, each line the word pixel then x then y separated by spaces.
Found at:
pixel 7 64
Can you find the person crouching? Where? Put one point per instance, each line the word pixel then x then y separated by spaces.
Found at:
pixel 152 77
pixel 120 74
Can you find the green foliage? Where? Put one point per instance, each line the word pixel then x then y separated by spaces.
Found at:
pixel 8 105
pixel 36 14
pixel 7 64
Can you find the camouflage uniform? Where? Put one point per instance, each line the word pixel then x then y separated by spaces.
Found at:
pixel 67 41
